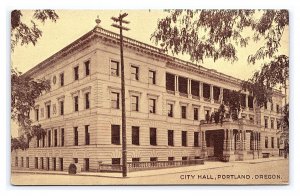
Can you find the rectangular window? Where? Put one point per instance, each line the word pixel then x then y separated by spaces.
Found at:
pixel 266 142
pixel 272 142
pixel 183 85
pixel 62 79
pixel 184 158
pixel 48 111
pixel 206 91
pixel 195 88
pixel 152 77
pixel 36 163
pixel 170 158
pixel 170 138
pixel 152 106
pixel 62 137
pixel 184 138
pixel 76 73
pixel 134 72
pixel 278 143
pixel 272 124
pixel 135 135
pixel 22 162
pixel 277 108
pixel 86 164
pixel 42 162
pixel 55 137
pixel 37 114
pixel 153 136
pixel 16 162
pixel 49 138
pixel 266 105
pixel 87 135
pixel 183 112
pixel 196 114
pixel 170 110
pixel 153 159
pixel 114 68
pixel 27 162
pixel 115 161
pixel 278 124
pixel 134 103
pixel 196 139
pixel 115 134
pixel 272 106
pixel 87 100
pixel 75 160
pixel 170 82
pixel 43 140
pixel 61 164
pixel 75 136
pixel 250 102
pixel 266 122
pixel 76 103
pixel 87 67
pixel 115 100
pixel 48 163
pixel 54 163
pixel 61 103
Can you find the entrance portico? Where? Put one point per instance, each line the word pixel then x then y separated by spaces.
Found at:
pixel 230 141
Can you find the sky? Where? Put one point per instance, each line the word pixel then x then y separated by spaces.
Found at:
pixel 73 24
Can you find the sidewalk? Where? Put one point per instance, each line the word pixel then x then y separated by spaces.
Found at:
pixel 157 172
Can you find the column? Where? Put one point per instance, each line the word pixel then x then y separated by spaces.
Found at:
pixel 211 94
pixel 225 140
pixel 176 83
pixel 245 138
pixel 247 108
pixel 221 95
pixel 201 89
pixel 189 91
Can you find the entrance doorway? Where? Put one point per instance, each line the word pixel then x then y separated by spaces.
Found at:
pixel 214 143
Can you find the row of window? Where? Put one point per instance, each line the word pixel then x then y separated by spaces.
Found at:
pixel 272 123
pixel 272 107
pixel 117 161
pixel 135 136
pixel 272 142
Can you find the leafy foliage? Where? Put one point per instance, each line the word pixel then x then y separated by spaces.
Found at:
pixel 19 143
pixel 24 33
pixel 232 99
pixel 216 33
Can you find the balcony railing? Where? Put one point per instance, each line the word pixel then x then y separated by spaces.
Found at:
pixel 195 97
pixel 171 92
pixel 206 99
pixel 183 94
pixel 138 166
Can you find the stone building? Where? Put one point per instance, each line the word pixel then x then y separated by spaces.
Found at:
pixel 167 100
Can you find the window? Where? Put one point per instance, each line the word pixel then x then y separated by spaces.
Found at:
pixel 243 100
pixel 62 137
pixel 62 79
pixel 114 68
pixel 87 67
pixel 266 122
pixel 27 162
pixel 266 105
pixel 170 158
pixel 195 88
pixel 272 142
pixel 22 161
pixel 153 159
pixel 61 163
pixel 134 103
pixel 87 135
pixel 43 140
pixel 135 135
pixel 250 102
pixel 184 138
pixel 170 110
pixel 75 160
pixel 48 111
pixel 272 124
pixel 134 72
pixel 115 134
pixel 42 162
pixel 76 103
pixel 115 161
pixel 196 139
pixel 182 85
pixel 152 106
pixel 135 159
pixel 183 112
pixel 153 136
pixel 152 77
pixel 184 158
pixel 75 136
pixel 49 138
pixel 216 93
pixel 206 90
pixel 55 137
pixel 272 106
pixel 48 163
pixel 196 114
pixel 16 161
pixel 37 114
pixel 54 163
pixel 87 100
pixel 278 124
pixel 278 143
pixel 277 108
pixel 36 163
pixel 76 74
pixel 61 103
pixel 170 82
pixel 86 164
pixel 266 142
pixel 170 138
pixel 115 100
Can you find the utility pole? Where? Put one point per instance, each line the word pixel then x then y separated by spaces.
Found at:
pixel 119 24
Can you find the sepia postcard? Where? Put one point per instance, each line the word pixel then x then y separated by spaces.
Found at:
pixel 149 97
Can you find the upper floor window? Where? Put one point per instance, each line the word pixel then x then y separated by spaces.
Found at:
pixel 170 82
pixel 87 100
pixel 75 136
pixel 196 114
pixel 37 114
pixel 195 88
pixel 272 124
pixel 266 105
pixel 76 103
pixel 87 67
pixel 266 122
pixel 206 91
pixel 277 108
pixel 134 72
pixel 183 112
pixel 272 106
pixel 152 106
pixel 266 142
pixel 76 73
pixel 152 77
pixel 55 137
pixel 62 136
pixel 61 103
pixel 115 100
pixel 62 79
pixel 114 68
pixel 250 102
pixel 134 103
pixel 170 109
pixel 48 108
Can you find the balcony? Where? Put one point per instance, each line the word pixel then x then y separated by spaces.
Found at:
pixel 183 94
pixel 171 92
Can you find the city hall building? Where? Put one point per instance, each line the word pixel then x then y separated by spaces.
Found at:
pixel 167 101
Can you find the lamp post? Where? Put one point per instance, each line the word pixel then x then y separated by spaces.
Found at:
pixel 119 24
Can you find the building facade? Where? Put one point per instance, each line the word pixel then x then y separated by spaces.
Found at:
pixel 167 101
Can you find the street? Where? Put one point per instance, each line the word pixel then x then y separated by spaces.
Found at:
pixel 269 172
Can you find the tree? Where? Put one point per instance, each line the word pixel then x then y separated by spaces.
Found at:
pixel 232 99
pixel 25 90
pixel 24 33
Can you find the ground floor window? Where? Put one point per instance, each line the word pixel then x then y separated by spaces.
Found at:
pixel 116 161
pixel 22 162
pixel 16 161
pixel 27 162
pixel 75 160
pixel 42 162
pixel 48 163
pixel 54 163
pixel 61 163
pixel 36 162
pixel 87 164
